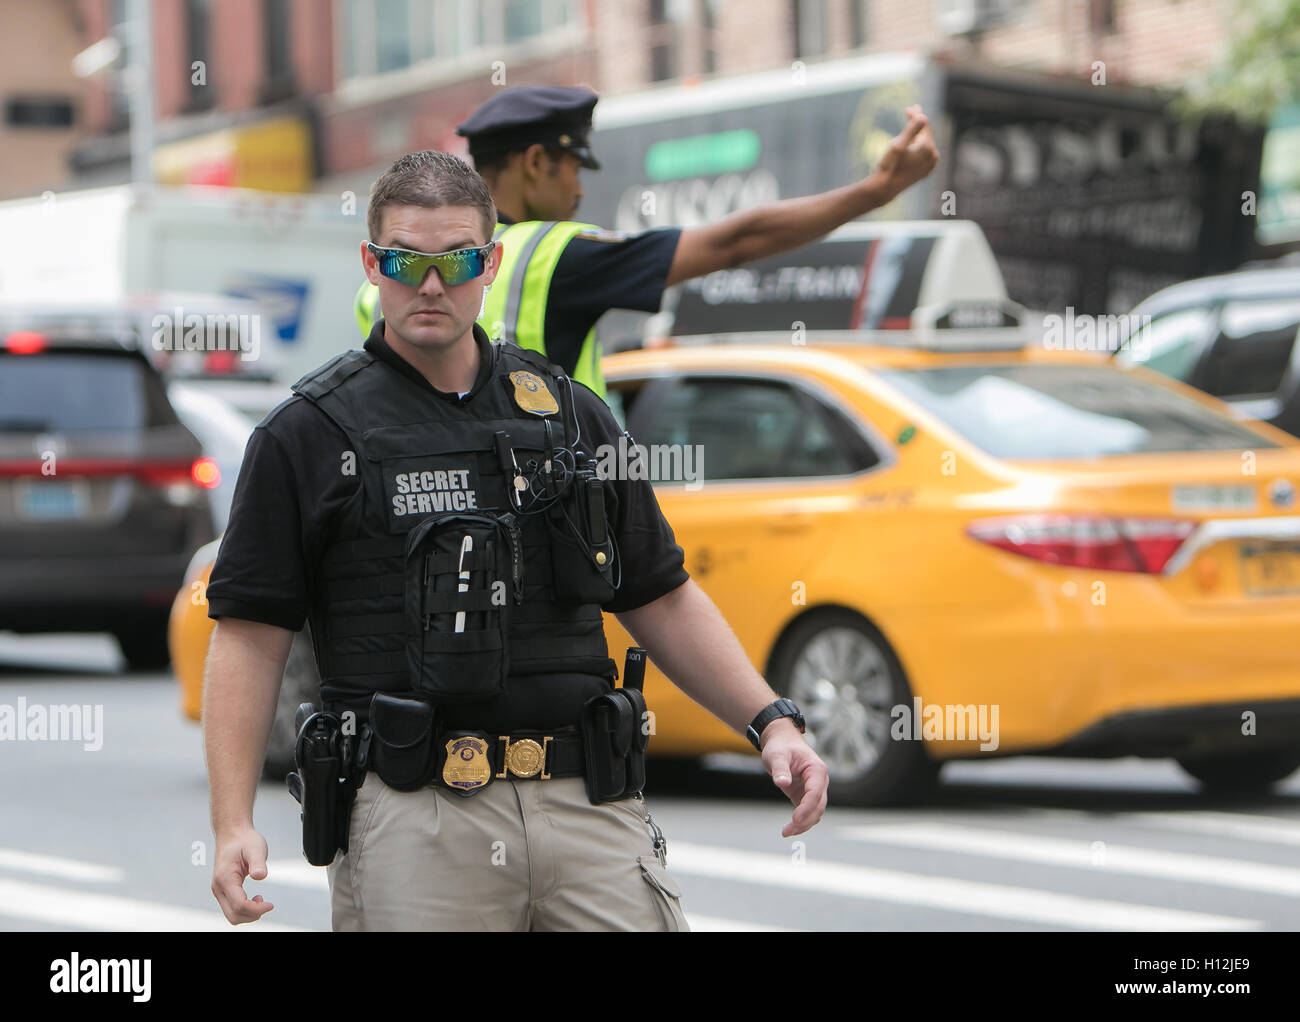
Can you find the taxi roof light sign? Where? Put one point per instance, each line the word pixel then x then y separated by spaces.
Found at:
pixel 928 284
pixel 968 326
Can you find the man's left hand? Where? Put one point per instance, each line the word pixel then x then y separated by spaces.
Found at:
pixel 797 771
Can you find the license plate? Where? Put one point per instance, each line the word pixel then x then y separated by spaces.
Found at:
pixel 1270 569
pixel 53 501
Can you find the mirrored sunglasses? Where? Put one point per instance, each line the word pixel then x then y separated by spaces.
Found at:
pixel 409 267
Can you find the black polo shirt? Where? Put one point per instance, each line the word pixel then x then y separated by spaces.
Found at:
pixel 599 271
pixel 291 486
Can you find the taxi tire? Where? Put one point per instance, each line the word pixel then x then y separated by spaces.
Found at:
pixel 1242 772
pixel 144 646
pixel 904 773
pixel 301 684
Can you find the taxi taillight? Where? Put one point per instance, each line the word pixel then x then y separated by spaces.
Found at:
pixel 1099 542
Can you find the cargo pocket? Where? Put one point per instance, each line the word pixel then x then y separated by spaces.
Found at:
pixel 462 574
pixel 667 894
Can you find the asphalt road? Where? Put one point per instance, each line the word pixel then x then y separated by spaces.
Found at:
pixel 117 838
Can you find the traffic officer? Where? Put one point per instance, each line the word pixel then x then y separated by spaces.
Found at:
pixel 387 500
pixel 529 142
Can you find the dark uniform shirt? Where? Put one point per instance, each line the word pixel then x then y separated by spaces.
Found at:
pixel 292 484
pixel 600 272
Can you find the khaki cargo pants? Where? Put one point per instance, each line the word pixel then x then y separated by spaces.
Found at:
pixel 519 855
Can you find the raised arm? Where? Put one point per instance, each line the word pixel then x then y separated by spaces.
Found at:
pixel 780 226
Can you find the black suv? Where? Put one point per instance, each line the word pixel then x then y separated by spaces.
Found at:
pixel 103 493
pixel 1233 336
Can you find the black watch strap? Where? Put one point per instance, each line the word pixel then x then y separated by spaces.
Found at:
pixel 773 711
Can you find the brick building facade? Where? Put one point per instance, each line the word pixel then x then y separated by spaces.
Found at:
pixel 39 96
pixel 362 81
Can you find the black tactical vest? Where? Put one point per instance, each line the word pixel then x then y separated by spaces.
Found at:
pixel 434 583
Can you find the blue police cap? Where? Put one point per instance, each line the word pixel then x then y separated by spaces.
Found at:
pixel 552 115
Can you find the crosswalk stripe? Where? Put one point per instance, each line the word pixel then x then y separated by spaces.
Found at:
pixel 53 865
pixel 1099 857
pixel 296 873
pixel 967 897
pixel 1237 825
pixel 712 924
pixel 22 900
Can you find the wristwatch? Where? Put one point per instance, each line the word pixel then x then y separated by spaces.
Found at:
pixel 774 711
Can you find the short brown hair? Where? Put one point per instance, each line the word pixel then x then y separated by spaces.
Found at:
pixel 430 179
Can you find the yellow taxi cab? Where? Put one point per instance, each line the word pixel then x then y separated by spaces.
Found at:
pixel 942 555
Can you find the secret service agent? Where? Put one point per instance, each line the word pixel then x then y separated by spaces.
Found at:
pixel 428 503
pixel 559 276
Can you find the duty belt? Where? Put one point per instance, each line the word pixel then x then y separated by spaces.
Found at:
pixel 470 760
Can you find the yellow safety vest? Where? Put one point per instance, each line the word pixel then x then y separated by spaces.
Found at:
pixel 515 309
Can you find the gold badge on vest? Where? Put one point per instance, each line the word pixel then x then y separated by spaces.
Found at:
pixel 532 394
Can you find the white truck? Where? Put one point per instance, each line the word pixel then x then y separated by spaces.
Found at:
pixel 294 259
pixel 1090 198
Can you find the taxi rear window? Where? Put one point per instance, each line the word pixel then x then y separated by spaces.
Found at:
pixel 1047 411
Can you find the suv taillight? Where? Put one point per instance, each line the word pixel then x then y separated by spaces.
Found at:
pixel 206 473
pixel 26 342
pixel 202 473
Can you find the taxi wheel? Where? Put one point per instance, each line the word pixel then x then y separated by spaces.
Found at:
pixel 1242 771
pixel 144 646
pixel 846 680
pixel 301 685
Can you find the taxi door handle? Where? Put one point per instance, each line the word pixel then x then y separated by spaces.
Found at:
pixel 790 521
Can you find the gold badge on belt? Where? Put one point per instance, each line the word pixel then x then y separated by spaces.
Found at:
pixel 467 767
pixel 532 394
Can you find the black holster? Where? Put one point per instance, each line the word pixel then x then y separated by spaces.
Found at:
pixel 325 783
pixel 615 733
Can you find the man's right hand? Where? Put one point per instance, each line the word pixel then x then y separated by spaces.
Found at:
pixel 910 157
pixel 240 854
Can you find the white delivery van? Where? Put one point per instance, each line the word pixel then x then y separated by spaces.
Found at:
pixel 295 257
